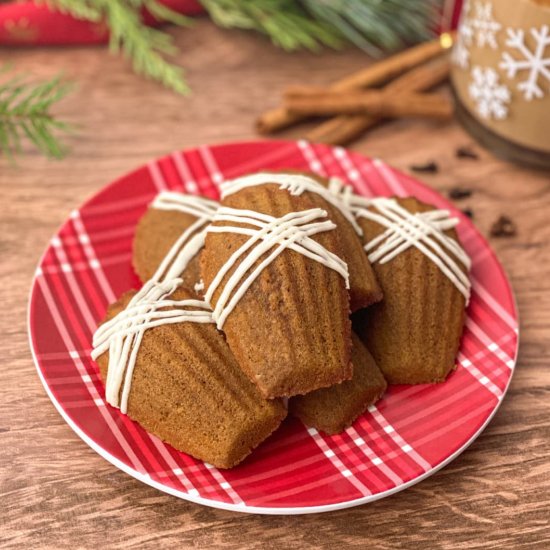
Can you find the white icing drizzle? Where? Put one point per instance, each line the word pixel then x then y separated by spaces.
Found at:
pixel 122 335
pixel 269 237
pixel 344 193
pixel 296 184
pixel 188 204
pixel 191 240
pixel 151 307
pixel 423 230
pixel 199 287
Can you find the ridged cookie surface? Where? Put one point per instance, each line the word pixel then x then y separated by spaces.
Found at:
pixel 364 288
pixel 188 390
pixel 332 410
pixel 414 333
pixel 156 232
pixel 290 332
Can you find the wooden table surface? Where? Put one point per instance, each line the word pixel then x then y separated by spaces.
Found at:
pixel 58 493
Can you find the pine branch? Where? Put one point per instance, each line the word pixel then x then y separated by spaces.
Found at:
pixel 143 45
pixel 376 26
pixel 146 47
pixel 284 21
pixel 372 25
pixel 25 112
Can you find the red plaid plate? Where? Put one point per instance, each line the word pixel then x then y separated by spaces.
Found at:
pixel 411 433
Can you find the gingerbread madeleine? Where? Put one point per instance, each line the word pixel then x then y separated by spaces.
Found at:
pixel 364 288
pixel 274 276
pixel 183 384
pixel 173 219
pixel 332 410
pixel 414 333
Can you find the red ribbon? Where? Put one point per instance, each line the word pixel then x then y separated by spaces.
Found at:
pixel 29 24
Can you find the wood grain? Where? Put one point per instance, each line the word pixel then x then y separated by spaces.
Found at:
pixel 57 493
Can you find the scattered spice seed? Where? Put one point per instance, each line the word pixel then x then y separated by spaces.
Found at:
pixel 468 212
pixel 503 227
pixel 466 153
pixel 429 167
pixel 459 193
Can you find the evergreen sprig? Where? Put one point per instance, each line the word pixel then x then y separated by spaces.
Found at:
pixel 284 21
pixel 25 112
pixel 376 26
pixel 147 48
pixel 373 25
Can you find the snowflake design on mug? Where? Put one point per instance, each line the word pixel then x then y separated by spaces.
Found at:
pixel 484 25
pixel 461 50
pixel 532 60
pixel 490 96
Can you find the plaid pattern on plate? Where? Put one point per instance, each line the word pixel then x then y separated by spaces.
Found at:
pixel 408 435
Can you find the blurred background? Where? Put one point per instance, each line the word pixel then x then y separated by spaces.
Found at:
pixel 78 70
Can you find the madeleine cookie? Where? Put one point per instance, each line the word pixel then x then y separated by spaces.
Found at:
pixel 364 288
pixel 274 276
pixel 173 219
pixel 332 410
pixel 414 333
pixel 184 386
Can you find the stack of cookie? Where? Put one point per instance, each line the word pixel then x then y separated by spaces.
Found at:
pixel 244 315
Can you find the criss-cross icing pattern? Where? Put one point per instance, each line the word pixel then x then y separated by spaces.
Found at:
pixel 269 237
pixel 189 204
pixel 191 240
pixel 151 307
pixel 295 184
pixel 122 335
pixel 423 230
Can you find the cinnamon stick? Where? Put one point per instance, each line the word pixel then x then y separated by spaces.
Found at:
pixel 371 102
pixel 342 129
pixel 279 118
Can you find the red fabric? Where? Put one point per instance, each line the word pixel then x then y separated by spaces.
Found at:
pixel 457 8
pixel 450 14
pixel 26 23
